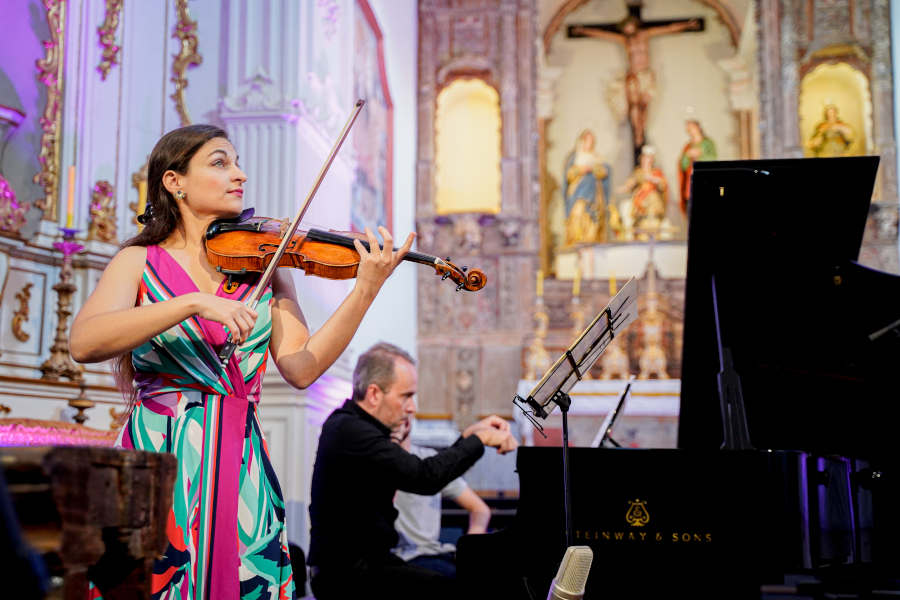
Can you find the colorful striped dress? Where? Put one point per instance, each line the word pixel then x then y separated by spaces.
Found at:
pixel 227 538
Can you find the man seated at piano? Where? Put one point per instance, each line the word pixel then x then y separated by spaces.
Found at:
pixel 418 523
pixel 358 470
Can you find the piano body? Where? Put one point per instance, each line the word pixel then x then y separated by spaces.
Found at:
pixel 815 340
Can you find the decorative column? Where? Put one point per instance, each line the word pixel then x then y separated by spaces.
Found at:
pixel 472 347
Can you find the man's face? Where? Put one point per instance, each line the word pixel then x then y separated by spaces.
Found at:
pixel 397 405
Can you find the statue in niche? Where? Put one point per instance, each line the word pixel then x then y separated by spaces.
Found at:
pixel 698 148
pixel 649 193
pixel 585 192
pixel 832 137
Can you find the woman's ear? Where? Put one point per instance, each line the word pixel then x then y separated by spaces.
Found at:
pixel 171 181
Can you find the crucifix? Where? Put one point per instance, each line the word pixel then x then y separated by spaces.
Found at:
pixel 630 95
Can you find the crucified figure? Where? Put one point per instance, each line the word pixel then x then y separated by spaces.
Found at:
pixel 631 95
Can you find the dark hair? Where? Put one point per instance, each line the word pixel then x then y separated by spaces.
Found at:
pixel 173 152
pixel 376 365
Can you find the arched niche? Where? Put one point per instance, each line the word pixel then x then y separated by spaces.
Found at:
pixel 723 9
pixel 467 148
pixel 845 87
pixel 693 81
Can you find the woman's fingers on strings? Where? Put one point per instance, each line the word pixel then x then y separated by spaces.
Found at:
pixel 406 247
pixel 388 249
pixel 373 241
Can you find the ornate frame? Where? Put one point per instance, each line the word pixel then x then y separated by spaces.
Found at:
pixel 389 168
pixel 107 33
pixel 186 31
pixel 50 73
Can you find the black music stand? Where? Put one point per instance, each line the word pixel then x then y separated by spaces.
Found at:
pixel 553 389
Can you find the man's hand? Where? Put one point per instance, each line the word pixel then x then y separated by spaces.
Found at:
pixel 503 441
pixel 494 432
pixel 491 422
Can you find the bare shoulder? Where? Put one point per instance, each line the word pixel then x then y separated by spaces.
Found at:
pixel 128 261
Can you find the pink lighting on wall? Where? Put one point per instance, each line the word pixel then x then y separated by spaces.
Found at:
pixel 34 432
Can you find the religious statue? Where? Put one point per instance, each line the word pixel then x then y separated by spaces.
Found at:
pixel 832 137
pixel 649 194
pixel 698 148
pixel 631 94
pixel 585 191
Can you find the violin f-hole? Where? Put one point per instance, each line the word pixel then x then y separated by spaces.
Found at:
pixel 289 246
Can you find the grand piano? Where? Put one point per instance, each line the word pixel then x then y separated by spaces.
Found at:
pixel 797 336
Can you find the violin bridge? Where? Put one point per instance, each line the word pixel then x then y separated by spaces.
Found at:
pixel 285 225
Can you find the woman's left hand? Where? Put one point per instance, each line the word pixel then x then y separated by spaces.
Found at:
pixel 377 264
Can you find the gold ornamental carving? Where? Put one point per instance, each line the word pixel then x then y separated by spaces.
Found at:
pixel 139 182
pixel 103 213
pixel 21 314
pixel 50 73
pixel 186 31
pixel 107 33
pixel 12 212
pixel 116 420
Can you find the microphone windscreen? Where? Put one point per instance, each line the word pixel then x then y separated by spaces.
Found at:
pixel 574 570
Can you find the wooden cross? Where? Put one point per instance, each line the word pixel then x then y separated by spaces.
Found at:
pixel 639 84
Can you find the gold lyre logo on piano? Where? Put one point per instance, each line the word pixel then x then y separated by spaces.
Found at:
pixel 637 515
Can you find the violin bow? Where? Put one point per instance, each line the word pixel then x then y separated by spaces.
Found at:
pixel 229 347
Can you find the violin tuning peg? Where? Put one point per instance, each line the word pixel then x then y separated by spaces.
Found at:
pixel 448 259
pixel 460 286
pixel 446 275
pixel 465 269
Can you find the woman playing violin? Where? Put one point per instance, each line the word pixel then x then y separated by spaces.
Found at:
pixel 162 312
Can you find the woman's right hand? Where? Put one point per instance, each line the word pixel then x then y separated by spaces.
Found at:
pixel 236 316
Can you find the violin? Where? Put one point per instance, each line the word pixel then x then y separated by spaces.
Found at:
pixel 248 245
pixel 236 246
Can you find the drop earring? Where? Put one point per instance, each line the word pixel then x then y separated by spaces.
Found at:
pixel 179 195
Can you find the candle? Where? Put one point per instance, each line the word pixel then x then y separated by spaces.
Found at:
pixel 70 199
pixel 142 199
pixel 612 284
pixel 576 286
pixel 540 282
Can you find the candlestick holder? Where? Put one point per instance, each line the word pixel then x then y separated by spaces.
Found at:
pixel 60 363
pixel 81 403
pixel 537 359
pixel 576 312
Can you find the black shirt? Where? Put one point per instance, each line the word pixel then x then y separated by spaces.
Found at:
pixel 357 472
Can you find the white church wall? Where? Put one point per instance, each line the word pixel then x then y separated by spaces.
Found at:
pixel 279 77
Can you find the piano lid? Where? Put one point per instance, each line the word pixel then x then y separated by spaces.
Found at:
pixel 780 238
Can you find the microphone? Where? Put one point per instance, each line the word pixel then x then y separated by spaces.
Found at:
pixel 572 574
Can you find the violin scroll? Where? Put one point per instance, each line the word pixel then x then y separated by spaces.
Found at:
pixel 471 281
